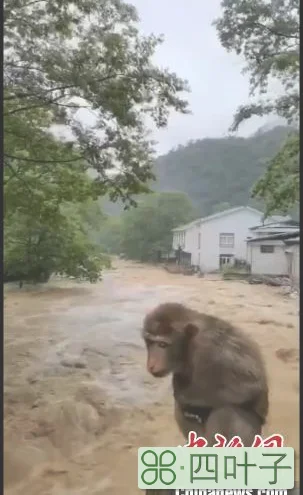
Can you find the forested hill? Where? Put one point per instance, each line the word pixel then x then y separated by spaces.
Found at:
pixel 214 172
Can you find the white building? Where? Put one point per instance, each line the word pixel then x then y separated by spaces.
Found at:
pixel 276 253
pixel 217 239
pixel 292 252
pixel 274 225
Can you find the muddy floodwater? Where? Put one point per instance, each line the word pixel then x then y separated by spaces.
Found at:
pixel 78 400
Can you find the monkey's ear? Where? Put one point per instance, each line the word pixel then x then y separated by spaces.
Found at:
pixel 190 330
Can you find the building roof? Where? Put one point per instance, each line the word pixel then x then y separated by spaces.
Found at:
pixel 187 225
pixel 295 240
pixel 287 223
pixel 229 211
pixel 283 236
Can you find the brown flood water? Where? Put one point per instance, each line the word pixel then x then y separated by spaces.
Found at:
pixel 78 401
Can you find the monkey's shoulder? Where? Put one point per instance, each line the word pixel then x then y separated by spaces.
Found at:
pixel 215 334
pixel 225 352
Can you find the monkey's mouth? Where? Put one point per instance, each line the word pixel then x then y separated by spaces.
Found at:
pixel 160 374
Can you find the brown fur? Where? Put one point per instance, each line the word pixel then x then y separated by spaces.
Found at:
pixel 217 371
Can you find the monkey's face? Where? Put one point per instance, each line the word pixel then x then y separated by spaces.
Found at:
pixel 162 355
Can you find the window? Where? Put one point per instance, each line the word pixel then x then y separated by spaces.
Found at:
pixel 267 248
pixel 199 240
pixel 227 240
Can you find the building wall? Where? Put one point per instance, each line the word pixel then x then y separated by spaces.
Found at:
pixel 189 242
pixel 192 243
pixel 294 272
pixel 179 239
pixel 237 223
pixel 275 263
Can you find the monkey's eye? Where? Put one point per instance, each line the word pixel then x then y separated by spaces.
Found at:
pixel 163 344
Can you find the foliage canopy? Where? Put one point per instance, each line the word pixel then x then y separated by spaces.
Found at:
pixel 63 58
pixel 147 229
pixel 266 34
pixel 67 56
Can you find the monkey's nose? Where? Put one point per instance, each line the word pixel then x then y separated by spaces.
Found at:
pixel 150 368
pixel 157 373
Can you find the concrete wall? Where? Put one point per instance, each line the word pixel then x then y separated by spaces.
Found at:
pixel 190 242
pixel 179 239
pixel 275 263
pixel 294 264
pixel 237 223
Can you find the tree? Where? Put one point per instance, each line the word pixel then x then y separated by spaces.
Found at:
pixel 65 56
pixel 62 57
pixel 221 207
pixel 280 186
pixel 148 228
pixel 92 218
pixel 110 235
pixel 33 250
pixel 45 228
pixel 267 35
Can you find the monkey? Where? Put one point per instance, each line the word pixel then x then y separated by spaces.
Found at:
pixel 219 377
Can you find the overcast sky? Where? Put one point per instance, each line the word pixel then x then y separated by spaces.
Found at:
pixel 192 50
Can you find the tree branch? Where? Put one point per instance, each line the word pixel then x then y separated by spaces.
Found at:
pixel 32 160
pixel 45 102
pixel 276 33
pixel 31 3
pixel 22 109
pixel 29 95
pixel 15 174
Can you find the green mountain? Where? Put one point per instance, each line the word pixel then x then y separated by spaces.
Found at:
pixel 216 172
pixel 221 170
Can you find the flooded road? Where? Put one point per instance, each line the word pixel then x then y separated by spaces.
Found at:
pixel 102 333
pixel 78 401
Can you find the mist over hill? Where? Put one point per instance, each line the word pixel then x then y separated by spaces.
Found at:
pixel 216 172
